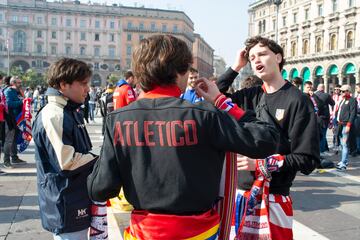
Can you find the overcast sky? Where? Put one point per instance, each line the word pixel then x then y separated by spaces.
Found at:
pixel 223 24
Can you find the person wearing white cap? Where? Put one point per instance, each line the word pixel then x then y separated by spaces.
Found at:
pixel 345 117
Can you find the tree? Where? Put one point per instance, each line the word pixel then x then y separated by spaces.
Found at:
pixel 16 71
pixel 32 79
pixel 113 79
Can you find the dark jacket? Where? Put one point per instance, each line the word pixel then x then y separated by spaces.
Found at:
pixel 347 110
pixel 168 154
pixel 14 101
pixel 63 162
pixel 293 113
pixel 327 100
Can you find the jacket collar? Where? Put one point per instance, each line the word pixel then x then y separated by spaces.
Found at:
pixel 162 91
pixel 55 96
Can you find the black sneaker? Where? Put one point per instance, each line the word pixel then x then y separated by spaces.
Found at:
pixel 8 165
pixel 18 161
pixel 2 173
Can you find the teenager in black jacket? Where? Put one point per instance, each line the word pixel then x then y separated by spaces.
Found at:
pixel 282 104
pixel 168 153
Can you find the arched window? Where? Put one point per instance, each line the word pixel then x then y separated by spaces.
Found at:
pixel 333 42
pixel 318 46
pixel 305 46
pixel 19 41
pixel 293 48
pixel 349 39
pixel 264 26
pixel 82 51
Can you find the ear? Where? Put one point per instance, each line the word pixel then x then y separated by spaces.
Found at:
pixel 63 85
pixel 278 58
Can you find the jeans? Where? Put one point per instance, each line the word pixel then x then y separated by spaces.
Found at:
pixel 323 140
pixel 35 102
pixel 345 148
pixel 80 235
pixel 92 110
pixel 10 144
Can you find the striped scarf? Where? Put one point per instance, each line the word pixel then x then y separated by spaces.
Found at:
pixel 226 206
pixel 252 214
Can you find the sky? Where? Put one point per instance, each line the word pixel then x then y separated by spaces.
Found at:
pixel 222 24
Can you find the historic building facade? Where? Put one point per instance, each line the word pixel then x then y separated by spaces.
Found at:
pixel 203 57
pixel 320 38
pixel 39 32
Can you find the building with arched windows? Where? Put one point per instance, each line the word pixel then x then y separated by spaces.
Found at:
pixel 39 32
pixel 321 39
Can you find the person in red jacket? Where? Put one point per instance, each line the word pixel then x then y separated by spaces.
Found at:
pixel 124 93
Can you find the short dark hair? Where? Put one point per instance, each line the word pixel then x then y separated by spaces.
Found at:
pixel 308 83
pixel 128 74
pixel 272 45
pixel 251 81
pixel 67 70
pixel 193 70
pixel 158 59
pixel 297 81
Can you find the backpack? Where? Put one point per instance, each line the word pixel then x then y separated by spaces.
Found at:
pixel 325 163
pixel 3 105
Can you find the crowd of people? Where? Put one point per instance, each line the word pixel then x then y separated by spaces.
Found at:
pixel 195 159
pixel 339 111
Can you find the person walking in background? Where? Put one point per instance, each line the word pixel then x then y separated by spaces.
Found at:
pixel 337 97
pixel 284 105
pixel 92 103
pixel 63 157
pixel 157 147
pixel 124 93
pixel 345 118
pixel 106 104
pixel 36 99
pixel 325 117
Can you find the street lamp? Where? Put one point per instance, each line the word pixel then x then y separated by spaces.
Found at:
pixel 277 3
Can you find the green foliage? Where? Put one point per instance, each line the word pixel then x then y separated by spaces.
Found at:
pixel 113 78
pixel 16 71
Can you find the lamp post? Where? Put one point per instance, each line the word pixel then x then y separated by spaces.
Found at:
pixel 277 3
pixel 8 51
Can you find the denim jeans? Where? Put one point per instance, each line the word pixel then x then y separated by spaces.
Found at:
pixel 345 148
pixel 92 111
pixel 80 235
pixel 323 140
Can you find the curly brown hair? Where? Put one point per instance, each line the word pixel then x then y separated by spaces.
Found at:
pixel 158 59
pixel 272 45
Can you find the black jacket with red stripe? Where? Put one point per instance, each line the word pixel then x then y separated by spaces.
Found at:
pixel 168 153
